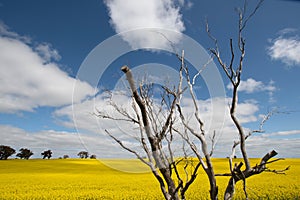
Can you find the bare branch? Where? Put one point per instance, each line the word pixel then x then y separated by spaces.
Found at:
pixel 126 116
pixel 213 143
pixel 202 69
pixel 106 116
pixel 200 135
pixel 251 14
pixel 160 160
pixel 127 148
pixel 278 171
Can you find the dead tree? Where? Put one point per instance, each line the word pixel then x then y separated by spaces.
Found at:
pixel 234 73
pixel 156 124
pixel 202 152
pixel 159 127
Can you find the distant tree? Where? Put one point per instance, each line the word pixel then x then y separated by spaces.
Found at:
pixel 47 154
pixel 83 154
pixel 66 156
pixel 93 156
pixel 24 153
pixel 6 151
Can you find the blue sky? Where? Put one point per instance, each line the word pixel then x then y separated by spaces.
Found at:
pixel 45 45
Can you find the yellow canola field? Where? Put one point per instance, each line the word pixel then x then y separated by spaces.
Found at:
pixel 91 179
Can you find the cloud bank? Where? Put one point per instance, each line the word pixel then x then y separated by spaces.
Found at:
pixel 160 15
pixel 31 78
pixel 60 142
pixel 92 134
pixel 87 123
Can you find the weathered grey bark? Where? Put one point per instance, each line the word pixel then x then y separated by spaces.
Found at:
pixel 164 169
pixel 156 132
pixel 234 76
pixel 205 163
pixel 238 175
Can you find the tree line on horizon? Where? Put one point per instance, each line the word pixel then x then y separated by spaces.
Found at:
pixel 25 153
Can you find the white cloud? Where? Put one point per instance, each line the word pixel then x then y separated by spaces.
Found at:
pixel 219 109
pixel 252 86
pixel 5 32
pixel 28 78
pixel 46 51
pixel 287 31
pixel 186 4
pixel 82 115
pixel 285 143
pixel 145 14
pixel 283 133
pixel 285 48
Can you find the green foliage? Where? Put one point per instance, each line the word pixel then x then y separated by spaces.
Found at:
pixel 47 154
pixel 6 151
pixel 66 156
pixel 24 153
pixel 83 154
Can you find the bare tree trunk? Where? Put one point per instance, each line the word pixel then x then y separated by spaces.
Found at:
pixel 234 76
pixel 207 164
pixel 212 181
pixel 164 169
pixel 237 123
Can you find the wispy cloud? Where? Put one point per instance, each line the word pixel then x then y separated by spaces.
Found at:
pixel 6 32
pixel 30 78
pixel 251 85
pixel 145 14
pixel 286 47
pixel 283 133
pixel 186 4
pixel 46 52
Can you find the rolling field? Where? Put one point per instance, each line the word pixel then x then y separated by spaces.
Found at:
pixel 91 179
